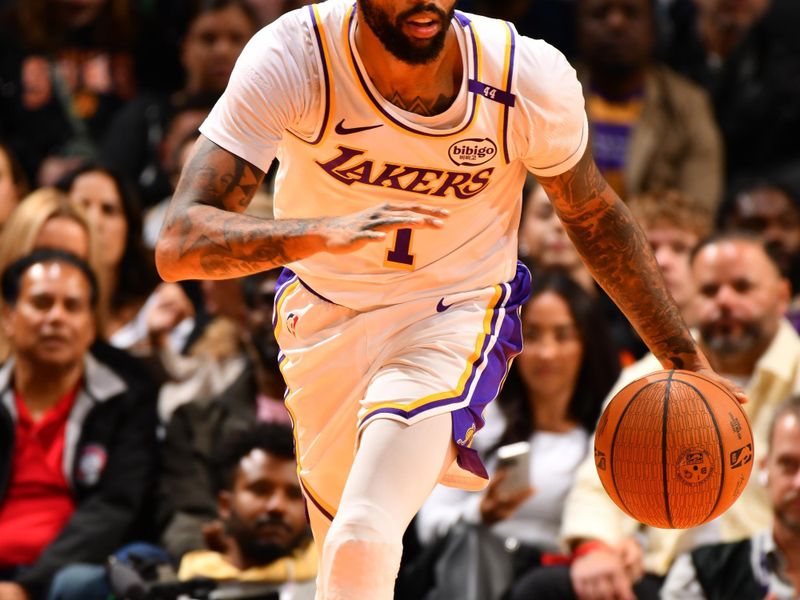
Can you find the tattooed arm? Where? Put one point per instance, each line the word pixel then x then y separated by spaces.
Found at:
pixel 618 255
pixel 205 236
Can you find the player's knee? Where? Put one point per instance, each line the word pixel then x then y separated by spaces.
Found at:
pixel 364 528
pixel 361 554
pixel 365 522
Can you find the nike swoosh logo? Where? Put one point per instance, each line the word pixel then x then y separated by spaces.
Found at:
pixel 441 307
pixel 342 130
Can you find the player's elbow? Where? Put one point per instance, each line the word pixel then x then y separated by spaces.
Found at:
pixel 167 258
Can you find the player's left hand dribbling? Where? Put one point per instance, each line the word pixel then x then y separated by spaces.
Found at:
pixel 732 388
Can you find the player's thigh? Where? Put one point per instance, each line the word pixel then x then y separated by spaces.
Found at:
pixel 397 465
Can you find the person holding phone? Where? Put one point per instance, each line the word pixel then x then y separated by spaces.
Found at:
pixel 551 400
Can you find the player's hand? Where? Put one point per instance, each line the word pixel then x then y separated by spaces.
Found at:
pixel 732 388
pixel 12 591
pixel 497 505
pixel 601 575
pixel 351 232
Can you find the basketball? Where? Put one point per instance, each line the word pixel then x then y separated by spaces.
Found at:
pixel 673 449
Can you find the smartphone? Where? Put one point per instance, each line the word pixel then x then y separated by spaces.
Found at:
pixel 515 459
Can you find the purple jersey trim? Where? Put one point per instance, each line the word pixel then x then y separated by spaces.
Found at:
pixel 472 98
pixel 509 81
pixel 286 276
pixel 326 78
pixel 309 496
pixel 507 331
pixel 285 279
pixel 491 93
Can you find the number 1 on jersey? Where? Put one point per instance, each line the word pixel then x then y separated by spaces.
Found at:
pixel 399 255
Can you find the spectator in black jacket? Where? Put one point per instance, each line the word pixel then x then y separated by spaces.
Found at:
pixel 77 444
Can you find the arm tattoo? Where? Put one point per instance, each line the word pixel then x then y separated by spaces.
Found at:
pixel 426 107
pixel 619 256
pixel 206 235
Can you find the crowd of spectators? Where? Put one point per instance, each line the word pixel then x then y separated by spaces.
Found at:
pixel 144 445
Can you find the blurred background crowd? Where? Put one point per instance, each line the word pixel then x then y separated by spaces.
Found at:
pixel 144 445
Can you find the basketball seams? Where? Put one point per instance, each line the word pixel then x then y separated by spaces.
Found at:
pixel 613 446
pixel 633 431
pixel 721 486
pixel 664 462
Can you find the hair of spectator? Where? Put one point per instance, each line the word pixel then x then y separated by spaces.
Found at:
pixel 18 175
pixel 790 406
pixel 113 29
pixel 784 180
pixel 736 235
pixel 27 220
pixel 672 208
pixel 272 438
pixel 13 273
pixel 206 6
pixel 189 138
pixel 651 4
pixel 599 369
pixel 136 275
pixel 204 100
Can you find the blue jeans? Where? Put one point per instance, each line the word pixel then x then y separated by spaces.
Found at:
pixel 80 582
pixel 90 582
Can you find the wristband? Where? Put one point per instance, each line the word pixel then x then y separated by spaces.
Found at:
pixel 585 548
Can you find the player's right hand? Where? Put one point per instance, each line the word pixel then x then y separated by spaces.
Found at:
pixel 600 575
pixel 351 232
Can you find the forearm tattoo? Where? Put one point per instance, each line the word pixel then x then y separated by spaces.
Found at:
pixel 205 228
pixel 619 256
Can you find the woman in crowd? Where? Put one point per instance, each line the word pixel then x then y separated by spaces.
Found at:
pixel 124 264
pixel 153 320
pixel 13 184
pixel 543 241
pixel 552 399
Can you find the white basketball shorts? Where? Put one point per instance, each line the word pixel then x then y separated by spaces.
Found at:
pixel 344 368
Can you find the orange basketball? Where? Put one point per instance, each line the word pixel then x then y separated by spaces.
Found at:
pixel 673 449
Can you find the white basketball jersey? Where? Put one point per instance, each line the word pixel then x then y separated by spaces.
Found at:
pixel 366 151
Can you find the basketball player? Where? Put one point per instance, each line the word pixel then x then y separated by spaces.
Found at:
pixel 404 130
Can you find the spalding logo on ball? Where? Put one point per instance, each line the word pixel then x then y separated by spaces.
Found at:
pixel 673 449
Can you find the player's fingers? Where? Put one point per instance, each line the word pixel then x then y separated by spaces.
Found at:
pixel 729 385
pixel 410 221
pixel 420 208
pixel 369 234
pixel 734 389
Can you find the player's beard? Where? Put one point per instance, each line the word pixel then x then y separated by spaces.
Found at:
pixel 398 43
